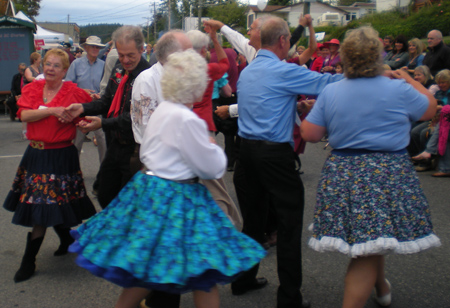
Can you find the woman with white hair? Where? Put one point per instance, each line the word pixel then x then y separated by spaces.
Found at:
pixel 369 199
pixel 164 231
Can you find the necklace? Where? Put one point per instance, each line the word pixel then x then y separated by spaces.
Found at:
pixel 48 95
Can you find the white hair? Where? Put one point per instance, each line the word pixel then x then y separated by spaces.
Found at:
pixel 198 39
pixel 185 77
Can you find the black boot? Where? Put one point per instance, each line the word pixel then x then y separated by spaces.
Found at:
pixel 66 240
pixel 28 265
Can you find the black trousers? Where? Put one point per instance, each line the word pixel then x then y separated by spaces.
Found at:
pixel 270 172
pixel 115 171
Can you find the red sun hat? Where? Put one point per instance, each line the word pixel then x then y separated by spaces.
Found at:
pixel 333 41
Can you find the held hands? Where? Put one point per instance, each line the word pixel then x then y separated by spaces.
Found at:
pixel 61 113
pixel 305 21
pixel 214 25
pixel 305 106
pixel 89 124
pixel 210 31
pixel 74 111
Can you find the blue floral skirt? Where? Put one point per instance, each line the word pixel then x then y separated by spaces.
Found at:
pixel 371 203
pixel 48 189
pixel 163 235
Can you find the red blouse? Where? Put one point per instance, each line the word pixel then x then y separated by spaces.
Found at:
pixel 50 129
pixel 204 108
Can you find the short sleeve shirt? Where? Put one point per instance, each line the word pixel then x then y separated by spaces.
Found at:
pixel 368 113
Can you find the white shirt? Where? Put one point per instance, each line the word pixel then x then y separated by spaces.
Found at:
pixel 240 42
pixel 176 145
pixel 146 96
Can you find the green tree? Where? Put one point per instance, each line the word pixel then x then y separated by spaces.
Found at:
pixel 29 7
pixel 231 13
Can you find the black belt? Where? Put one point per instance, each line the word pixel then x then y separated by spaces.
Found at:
pixel 187 181
pixel 264 142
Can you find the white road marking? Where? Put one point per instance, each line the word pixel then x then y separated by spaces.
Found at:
pixel 11 156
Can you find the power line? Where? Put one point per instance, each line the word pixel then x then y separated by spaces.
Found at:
pixel 111 14
pixel 114 8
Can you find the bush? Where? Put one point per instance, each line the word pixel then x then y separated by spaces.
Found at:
pixel 416 24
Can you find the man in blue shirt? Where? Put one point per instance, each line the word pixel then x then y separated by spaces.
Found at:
pixel 87 72
pixel 267 99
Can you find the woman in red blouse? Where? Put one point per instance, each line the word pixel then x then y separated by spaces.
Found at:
pixel 48 190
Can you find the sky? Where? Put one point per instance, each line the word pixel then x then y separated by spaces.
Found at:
pixel 82 12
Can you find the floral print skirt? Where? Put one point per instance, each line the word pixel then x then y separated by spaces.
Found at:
pixel 164 235
pixel 48 189
pixel 371 203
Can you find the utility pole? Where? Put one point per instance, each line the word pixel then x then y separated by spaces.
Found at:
pixel 68 25
pixel 199 14
pixel 148 28
pixel 169 11
pixel 154 20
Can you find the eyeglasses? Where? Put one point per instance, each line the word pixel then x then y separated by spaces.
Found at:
pixel 56 65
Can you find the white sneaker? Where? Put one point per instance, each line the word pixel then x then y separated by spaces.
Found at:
pixel 384 300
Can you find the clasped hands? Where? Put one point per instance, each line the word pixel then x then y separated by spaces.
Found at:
pixel 86 125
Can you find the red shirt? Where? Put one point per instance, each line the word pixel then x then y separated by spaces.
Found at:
pixel 317 64
pixel 232 71
pixel 204 108
pixel 50 129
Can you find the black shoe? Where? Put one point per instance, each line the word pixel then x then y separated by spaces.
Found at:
pixel 259 283
pixel 65 238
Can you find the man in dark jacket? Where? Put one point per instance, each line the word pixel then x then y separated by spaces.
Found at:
pixel 16 91
pixel 438 55
pixel 116 170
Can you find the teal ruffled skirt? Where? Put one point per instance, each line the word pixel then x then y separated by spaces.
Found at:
pixel 163 235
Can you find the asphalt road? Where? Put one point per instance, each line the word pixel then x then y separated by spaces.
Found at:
pixel 418 281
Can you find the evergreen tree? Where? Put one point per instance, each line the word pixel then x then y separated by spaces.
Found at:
pixel 28 7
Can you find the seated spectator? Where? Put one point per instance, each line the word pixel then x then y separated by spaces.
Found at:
pixel 438 55
pixel 339 68
pixel 16 91
pixel 422 74
pixel 443 98
pixel 300 49
pixel 322 54
pixel 398 57
pixel 330 62
pixel 416 49
pixel 387 42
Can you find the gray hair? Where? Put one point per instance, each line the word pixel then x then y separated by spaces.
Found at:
pixel 22 64
pixel 261 20
pixel 272 29
pixel 198 39
pixel 425 71
pixel 166 45
pixel 126 34
pixel 185 77
pixel 442 76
